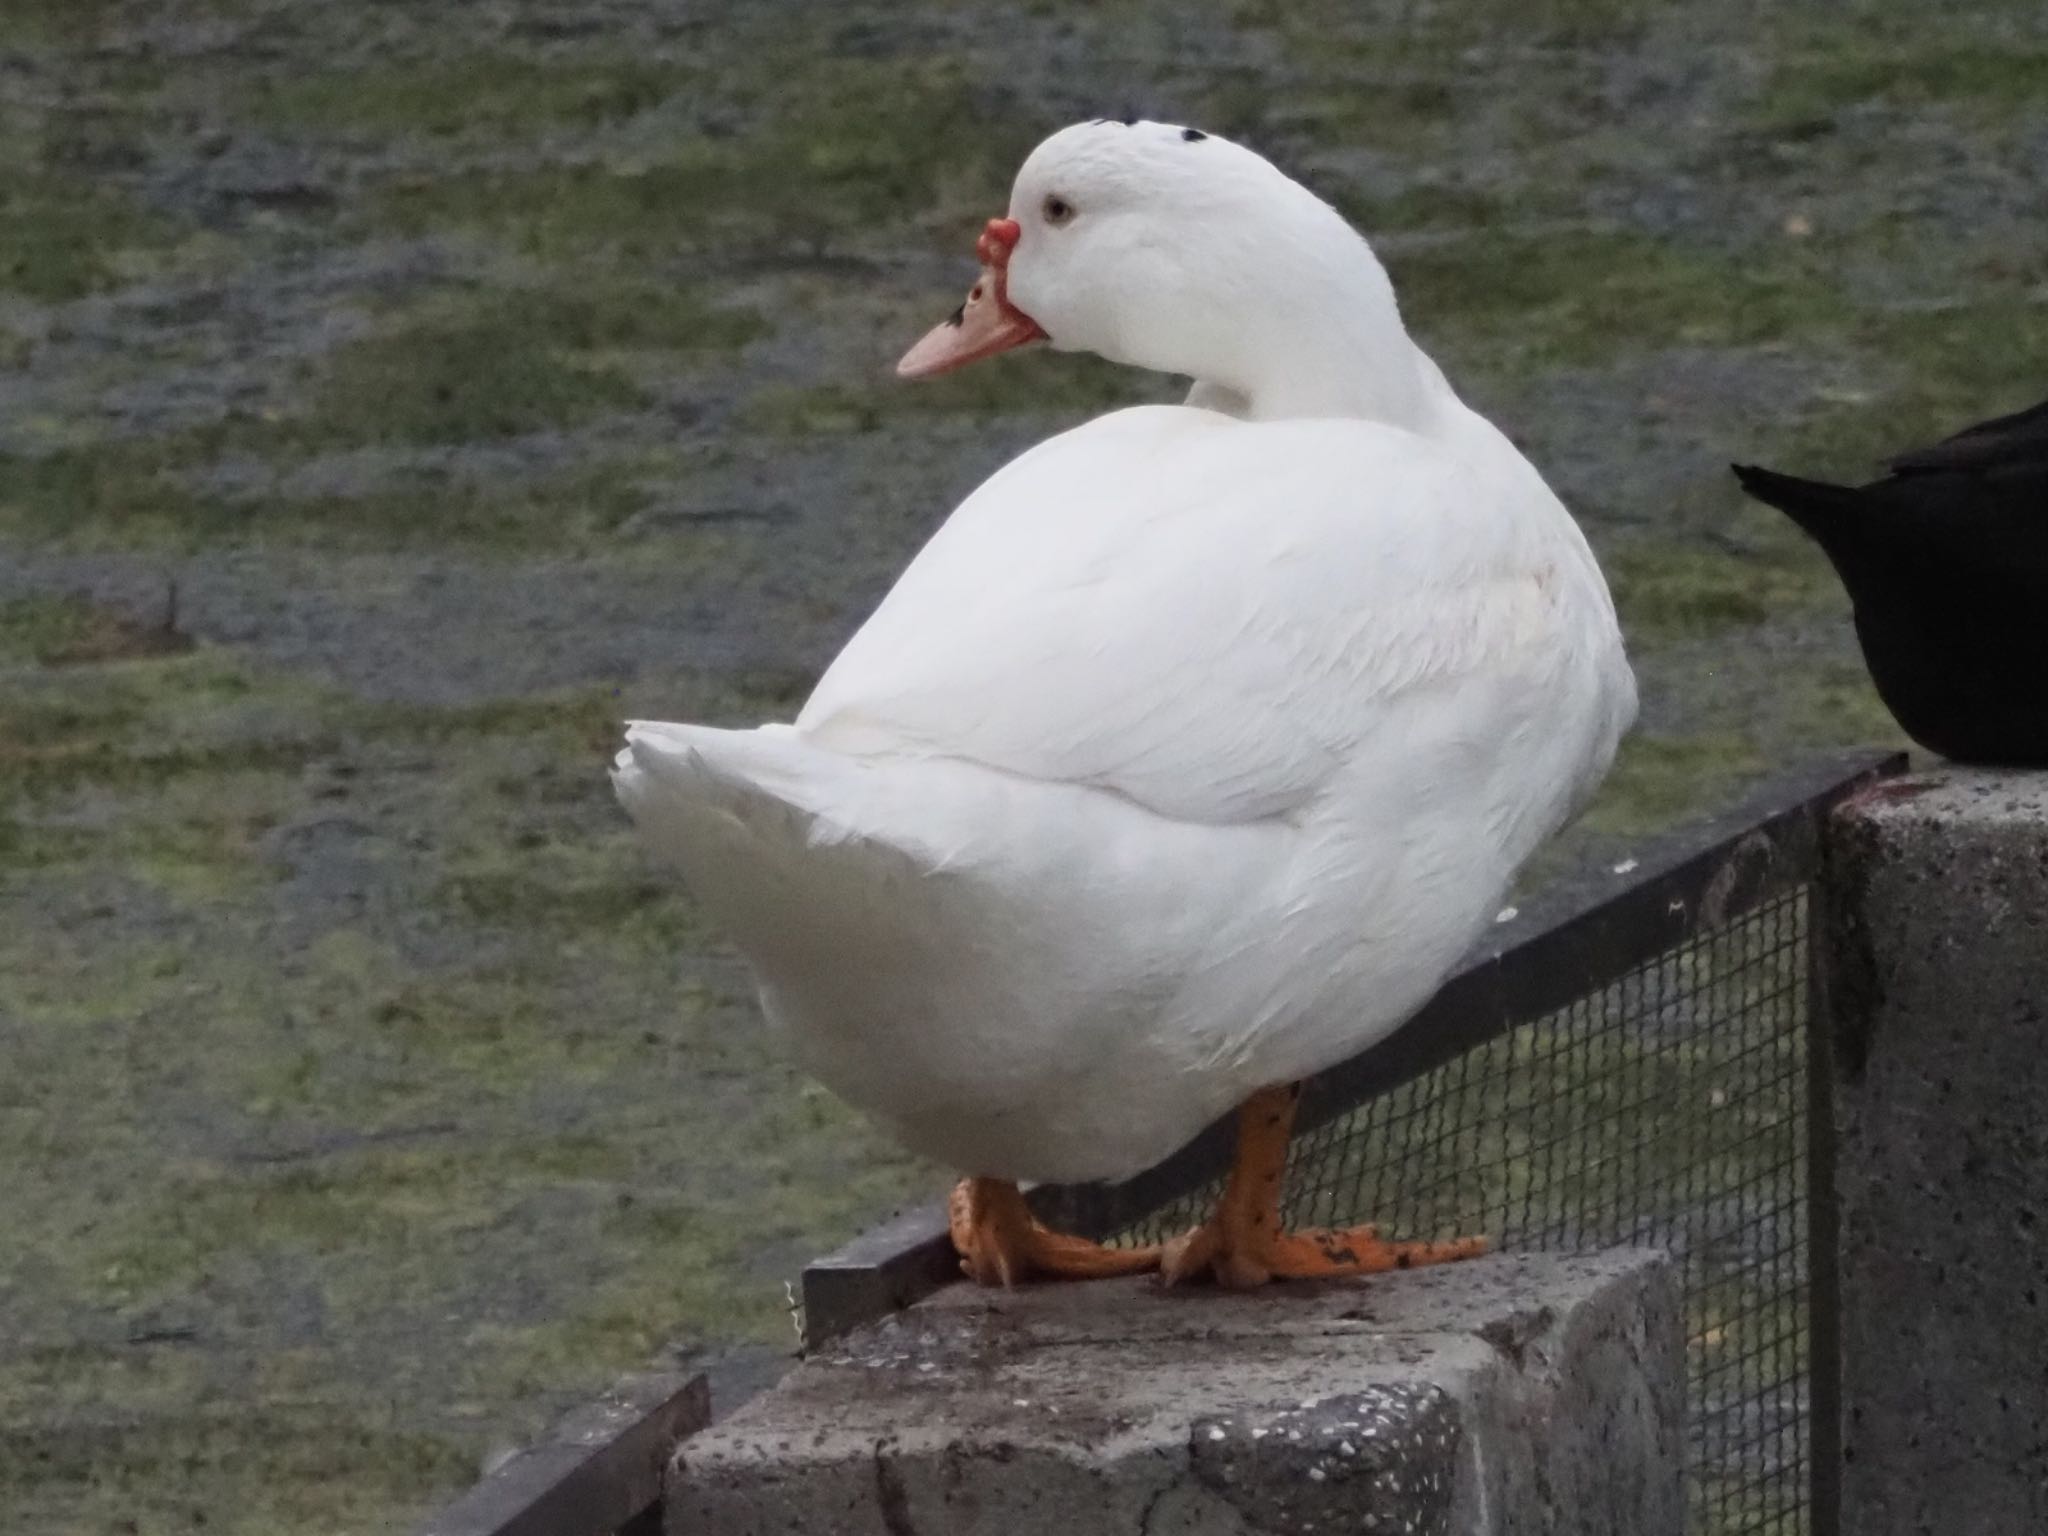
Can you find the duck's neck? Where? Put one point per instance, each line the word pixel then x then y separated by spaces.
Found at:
pixel 1321 335
pixel 1327 373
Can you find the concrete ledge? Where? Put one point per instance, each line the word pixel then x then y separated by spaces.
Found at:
pixel 1936 945
pixel 1512 1394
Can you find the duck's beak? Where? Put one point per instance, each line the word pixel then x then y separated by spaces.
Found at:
pixel 987 323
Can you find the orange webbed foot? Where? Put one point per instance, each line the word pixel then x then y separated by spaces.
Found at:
pixel 1243 1260
pixel 1244 1245
pixel 1001 1243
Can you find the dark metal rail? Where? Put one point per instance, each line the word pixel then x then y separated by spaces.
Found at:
pixel 597 1473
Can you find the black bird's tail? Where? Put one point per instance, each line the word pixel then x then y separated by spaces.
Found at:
pixel 1813 504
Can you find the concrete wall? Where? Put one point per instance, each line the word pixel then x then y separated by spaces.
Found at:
pixel 1511 1395
pixel 1936 945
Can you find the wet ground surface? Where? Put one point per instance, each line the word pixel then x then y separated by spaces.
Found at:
pixel 392 398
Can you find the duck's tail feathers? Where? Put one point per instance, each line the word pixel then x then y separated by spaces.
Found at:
pixel 689 785
pixel 1811 504
pixel 809 860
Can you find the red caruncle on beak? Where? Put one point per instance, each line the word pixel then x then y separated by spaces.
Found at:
pixel 986 323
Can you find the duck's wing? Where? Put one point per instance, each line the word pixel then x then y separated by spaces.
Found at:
pixel 1208 617
pixel 2005 443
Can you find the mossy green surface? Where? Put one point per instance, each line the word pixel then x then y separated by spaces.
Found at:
pixel 1561 298
pixel 251 1127
pixel 369 1095
pixel 62 237
pixel 485 96
pixel 496 363
pixel 1991 77
pixel 817 167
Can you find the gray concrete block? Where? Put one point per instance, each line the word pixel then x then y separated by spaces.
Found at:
pixel 1936 940
pixel 1512 1394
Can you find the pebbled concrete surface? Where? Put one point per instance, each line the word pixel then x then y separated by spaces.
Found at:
pixel 1939 986
pixel 1525 1393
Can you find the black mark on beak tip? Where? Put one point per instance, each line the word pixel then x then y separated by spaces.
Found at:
pixel 958 315
pixel 1193 135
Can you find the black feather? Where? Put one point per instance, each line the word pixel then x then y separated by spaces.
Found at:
pixel 2005 442
pixel 1946 563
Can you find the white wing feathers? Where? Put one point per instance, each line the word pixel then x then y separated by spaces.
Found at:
pixel 1070 624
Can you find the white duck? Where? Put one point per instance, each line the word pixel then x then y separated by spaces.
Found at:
pixel 1192 752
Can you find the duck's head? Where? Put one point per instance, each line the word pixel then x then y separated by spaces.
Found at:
pixel 1172 249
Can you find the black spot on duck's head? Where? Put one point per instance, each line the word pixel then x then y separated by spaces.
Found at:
pixel 1193 135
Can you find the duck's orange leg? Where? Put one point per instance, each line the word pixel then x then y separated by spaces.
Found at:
pixel 1000 1242
pixel 1243 1243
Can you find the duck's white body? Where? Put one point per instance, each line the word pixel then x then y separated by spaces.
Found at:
pixel 1186 759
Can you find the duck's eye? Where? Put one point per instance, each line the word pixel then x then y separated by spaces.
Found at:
pixel 1057 209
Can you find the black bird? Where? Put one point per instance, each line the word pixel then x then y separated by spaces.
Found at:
pixel 1946 562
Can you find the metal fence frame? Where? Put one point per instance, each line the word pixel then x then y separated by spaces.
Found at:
pixel 599 1473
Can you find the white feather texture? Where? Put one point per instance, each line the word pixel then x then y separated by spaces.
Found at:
pixel 1193 750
